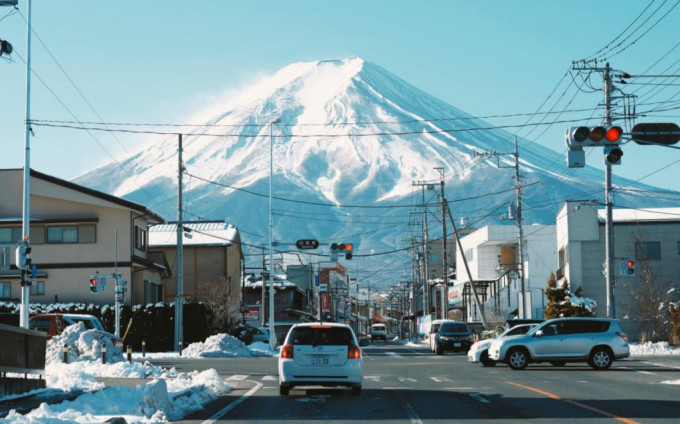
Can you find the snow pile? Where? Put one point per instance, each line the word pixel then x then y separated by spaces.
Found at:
pixel 82 346
pixel 261 349
pixel 218 346
pixel 583 302
pixel 168 395
pixel 650 348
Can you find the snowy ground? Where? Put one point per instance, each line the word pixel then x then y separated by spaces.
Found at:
pixel 169 395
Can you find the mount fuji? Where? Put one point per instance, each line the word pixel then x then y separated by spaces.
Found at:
pixel 349 140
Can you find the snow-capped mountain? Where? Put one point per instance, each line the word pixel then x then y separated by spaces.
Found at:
pixel 349 141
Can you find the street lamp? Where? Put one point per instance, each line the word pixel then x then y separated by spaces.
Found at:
pixel 272 335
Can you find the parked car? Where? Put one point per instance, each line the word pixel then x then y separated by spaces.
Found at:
pixel 378 332
pixel 597 341
pixel 54 324
pixel 434 328
pixel 453 335
pixel 259 334
pixel 320 354
pixel 479 352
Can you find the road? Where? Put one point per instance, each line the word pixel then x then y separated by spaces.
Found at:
pixel 406 384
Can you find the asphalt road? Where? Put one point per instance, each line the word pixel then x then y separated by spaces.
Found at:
pixel 404 384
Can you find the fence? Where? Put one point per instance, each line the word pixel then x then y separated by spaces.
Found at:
pixel 21 352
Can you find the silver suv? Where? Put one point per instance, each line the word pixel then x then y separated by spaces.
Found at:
pixel 597 341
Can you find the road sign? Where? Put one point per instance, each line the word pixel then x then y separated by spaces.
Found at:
pixel 307 244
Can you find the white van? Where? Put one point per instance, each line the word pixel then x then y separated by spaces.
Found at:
pixel 379 331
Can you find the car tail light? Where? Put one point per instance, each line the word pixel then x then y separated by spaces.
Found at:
pixel 353 352
pixel 623 336
pixel 287 351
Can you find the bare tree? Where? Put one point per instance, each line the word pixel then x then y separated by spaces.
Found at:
pixel 222 304
pixel 651 301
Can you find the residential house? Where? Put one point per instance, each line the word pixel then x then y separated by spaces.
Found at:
pixel 492 254
pixel 212 255
pixel 76 232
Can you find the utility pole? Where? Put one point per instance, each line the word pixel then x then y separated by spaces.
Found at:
pixel 445 296
pixel 426 288
pixel 26 219
pixel 179 300
pixel 520 232
pixel 520 235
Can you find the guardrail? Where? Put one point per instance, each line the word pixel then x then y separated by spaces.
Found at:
pixel 22 351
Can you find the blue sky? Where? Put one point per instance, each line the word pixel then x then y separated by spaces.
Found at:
pixel 164 61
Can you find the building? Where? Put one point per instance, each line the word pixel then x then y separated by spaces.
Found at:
pixel 76 232
pixel 212 255
pixel 492 254
pixel 650 238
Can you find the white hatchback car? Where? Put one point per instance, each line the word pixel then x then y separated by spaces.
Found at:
pixel 479 352
pixel 320 354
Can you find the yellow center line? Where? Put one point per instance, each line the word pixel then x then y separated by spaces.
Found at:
pixel 575 403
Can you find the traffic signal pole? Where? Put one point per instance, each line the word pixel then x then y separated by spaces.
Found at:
pixel 609 246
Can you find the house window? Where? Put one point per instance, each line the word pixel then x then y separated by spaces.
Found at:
pixel 38 288
pixel 71 234
pixel 5 291
pixel 10 235
pixel 140 238
pixel 469 255
pixel 648 250
pixel 62 234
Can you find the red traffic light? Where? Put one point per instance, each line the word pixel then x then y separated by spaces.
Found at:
pixel 614 134
pixel 349 246
pixel 93 281
pixel 630 264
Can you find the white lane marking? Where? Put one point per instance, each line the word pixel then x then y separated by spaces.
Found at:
pixel 440 379
pixel 402 379
pixel 480 397
pixel 412 415
pixel 234 404
pixel 270 378
pixel 237 377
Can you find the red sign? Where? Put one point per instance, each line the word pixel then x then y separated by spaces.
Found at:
pixel 253 313
pixel 325 303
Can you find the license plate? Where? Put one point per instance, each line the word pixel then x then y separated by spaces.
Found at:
pixel 319 360
pixel 456 345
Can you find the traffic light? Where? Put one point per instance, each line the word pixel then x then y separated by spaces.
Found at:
pixel 630 267
pixel 94 284
pixel 23 256
pixel 656 133
pixel 612 155
pixel 346 248
pixel 596 136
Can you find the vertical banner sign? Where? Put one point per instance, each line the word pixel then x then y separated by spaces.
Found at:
pixel 325 304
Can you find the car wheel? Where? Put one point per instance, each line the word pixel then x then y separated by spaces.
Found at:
pixel 284 390
pixel 557 363
pixel 485 360
pixel 356 390
pixel 518 359
pixel 600 358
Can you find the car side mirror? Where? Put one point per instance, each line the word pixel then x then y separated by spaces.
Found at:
pixel 538 333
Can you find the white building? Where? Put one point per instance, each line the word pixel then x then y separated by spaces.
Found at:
pixel 493 258
pixel 649 237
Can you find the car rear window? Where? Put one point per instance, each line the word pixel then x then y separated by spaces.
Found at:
pixel 453 327
pixel 317 336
